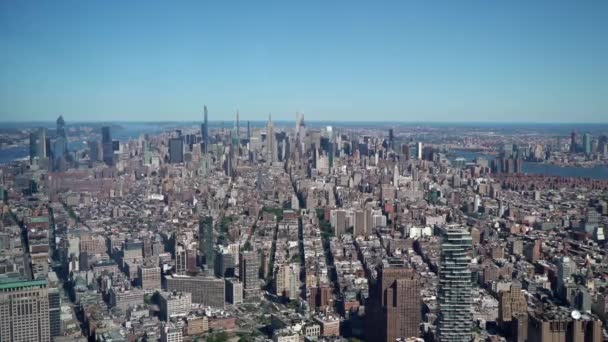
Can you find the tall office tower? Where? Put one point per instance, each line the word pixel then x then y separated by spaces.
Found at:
pixel 62 136
pixel 206 131
pixel 249 270
pixel 206 241
pixel 271 145
pixel 419 151
pixel 42 147
pixel 395 307
pixel 248 130
pixel 405 151
pixel 391 138
pixel 54 312
pixel 587 143
pixel 107 146
pixel 176 150
pixel 238 126
pixel 455 317
pixel 33 147
pixel 24 311
pixel 573 142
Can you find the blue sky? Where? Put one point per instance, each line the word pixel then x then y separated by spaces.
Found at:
pixel 541 61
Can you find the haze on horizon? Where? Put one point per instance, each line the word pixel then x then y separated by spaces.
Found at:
pixel 543 61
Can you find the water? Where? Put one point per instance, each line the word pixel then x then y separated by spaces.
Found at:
pixel 13 153
pixel 596 172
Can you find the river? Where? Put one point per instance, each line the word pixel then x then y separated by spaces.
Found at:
pixel 596 172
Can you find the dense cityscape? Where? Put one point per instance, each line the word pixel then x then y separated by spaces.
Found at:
pixel 303 171
pixel 302 232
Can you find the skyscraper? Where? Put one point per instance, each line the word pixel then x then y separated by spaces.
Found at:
pixel 54 311
pixel 455 317
pixel 395 310
pixel 206 240
pixel 271 145
pixel 249 269
pixel 61 139
pixel 238 126
pixel 573 142
pixel 42 143
pixel 24 311
pixel 587 143
pixel 419 151
pixel 176 150
pixel 205 132
pixel 107 146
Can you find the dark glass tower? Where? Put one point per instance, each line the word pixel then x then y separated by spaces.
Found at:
pixel 106 146
pixel 206 241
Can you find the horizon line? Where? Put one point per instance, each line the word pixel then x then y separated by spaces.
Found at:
pixel 68 122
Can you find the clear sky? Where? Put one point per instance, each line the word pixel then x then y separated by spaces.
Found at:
pixel 541 61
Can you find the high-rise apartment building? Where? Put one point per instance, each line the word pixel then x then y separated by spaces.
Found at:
pixel 455 318
pixel 287 281
pixel 24 311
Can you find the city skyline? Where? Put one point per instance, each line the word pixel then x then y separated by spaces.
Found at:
pixel 399 62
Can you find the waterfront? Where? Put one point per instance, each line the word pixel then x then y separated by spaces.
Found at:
pixel 596 172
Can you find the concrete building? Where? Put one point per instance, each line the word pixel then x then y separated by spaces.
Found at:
pixel 558 325
pixel 511 303
pixel 174 304
pixel 123 299
pixel 249 270
pixel 24 311
pixel 287 281
pixel 171 333
pixel 149 276
pixel 234 291
pixel 208 291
